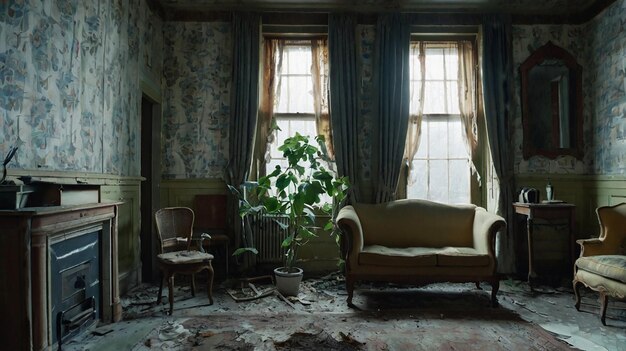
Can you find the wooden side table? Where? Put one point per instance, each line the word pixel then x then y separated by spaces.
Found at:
pixel 548 211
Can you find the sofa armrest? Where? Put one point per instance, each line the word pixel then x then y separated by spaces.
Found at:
pixel 486 226
pixel 352 232
pixel 594 247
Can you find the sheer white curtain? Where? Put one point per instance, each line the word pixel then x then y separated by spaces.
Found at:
pixel 467 100
pixel 418 75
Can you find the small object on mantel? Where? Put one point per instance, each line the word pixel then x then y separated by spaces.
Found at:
pixel 7 159
pixel 13 197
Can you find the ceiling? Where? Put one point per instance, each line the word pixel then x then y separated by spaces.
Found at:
pixel 565 10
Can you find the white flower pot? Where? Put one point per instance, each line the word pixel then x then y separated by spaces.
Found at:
pixel 288 283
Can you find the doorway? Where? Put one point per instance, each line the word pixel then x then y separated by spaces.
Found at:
pixel 150 171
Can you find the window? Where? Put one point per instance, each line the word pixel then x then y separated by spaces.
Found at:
pixel 441 167
pixel 300 102
pixel 294 104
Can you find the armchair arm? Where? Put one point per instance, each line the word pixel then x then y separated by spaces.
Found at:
pixel 352 232
pixel 594 247
pixel 486 225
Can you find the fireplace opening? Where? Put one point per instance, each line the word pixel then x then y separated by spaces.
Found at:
pixel 75 287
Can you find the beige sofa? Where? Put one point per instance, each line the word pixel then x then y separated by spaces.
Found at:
pixel 419 242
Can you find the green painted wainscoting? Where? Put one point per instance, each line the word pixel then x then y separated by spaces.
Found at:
pixel 321 255
pixel 587 192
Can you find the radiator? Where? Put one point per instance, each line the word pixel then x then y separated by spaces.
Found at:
pixel 268 237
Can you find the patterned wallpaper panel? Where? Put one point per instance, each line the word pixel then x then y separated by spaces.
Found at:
pixel 69 75
pixel 197 74
pixel 600 47
pixel 526 39
pixel 605 38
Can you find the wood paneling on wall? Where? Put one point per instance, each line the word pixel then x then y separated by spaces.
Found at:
pixel 180 192
pixel 113 188
pixel 587 192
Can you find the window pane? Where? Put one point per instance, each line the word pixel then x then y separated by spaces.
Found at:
pixel 299 60
pixel 452 90
pixel 456 146
pixel 438 175
pixel 418 180
pixel 459 188
pixel 434 64
pixel 452 63
pixel 438 141
pixel 434 96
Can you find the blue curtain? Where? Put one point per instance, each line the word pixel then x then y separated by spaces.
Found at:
pixel 244 105
pixel 344 95
pixel 244 101
pixel 497 72
pixel 391 62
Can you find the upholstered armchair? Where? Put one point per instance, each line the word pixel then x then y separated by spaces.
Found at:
pixel 602 262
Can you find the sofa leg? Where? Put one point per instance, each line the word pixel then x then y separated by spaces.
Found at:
pixel 576 284
pixel 350 290
pixel 604 301
pixel 495 286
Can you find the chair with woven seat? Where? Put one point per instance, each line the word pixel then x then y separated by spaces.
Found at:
pixel 174 230
pixel 602 262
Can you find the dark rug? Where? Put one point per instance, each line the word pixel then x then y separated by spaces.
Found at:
pixel 493 329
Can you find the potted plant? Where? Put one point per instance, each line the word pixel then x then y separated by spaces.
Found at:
pixel 297 193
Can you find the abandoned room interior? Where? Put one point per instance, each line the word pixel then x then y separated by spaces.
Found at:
pixel 313 175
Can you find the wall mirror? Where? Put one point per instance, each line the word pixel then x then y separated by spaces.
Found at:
pixel 552 103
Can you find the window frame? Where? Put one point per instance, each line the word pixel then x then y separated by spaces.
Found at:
pixel 481 155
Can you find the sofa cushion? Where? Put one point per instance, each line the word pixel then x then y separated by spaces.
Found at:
pixel 416 223
pixel 610 266
pixel 378 255
pixel 461 257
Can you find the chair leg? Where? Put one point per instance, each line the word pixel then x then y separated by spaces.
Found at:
pixel 170 287
pixel 350 289
pixel 210 274
pixel 158 301
pixel 193 285
pixel 577 284
pixel 604 301
pixel 495 286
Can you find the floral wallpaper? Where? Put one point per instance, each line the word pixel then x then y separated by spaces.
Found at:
pixel 196 99
pixel 527 39
pixel 70 95
pixel 600 47
pixel 69 82
pixel 605 38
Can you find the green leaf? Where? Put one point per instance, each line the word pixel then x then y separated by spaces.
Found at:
pixel 271 204
pixel 306 234
pixel 329 225
pixel 241 250
pixel 282 225
pixel 287 242
pixel 283 181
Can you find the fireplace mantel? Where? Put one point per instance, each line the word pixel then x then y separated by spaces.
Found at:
pixel 25 237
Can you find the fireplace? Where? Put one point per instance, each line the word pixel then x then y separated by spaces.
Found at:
pixel 61 265
pixel 75 302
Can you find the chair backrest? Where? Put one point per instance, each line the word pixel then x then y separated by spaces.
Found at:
pixel 173 223
pixel 211 210
pixel 612 221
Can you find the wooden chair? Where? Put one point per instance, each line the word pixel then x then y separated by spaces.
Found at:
pixel 211 211
pixel 174 229
pixel 602 262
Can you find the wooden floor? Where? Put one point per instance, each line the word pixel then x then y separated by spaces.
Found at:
pixel 439 316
